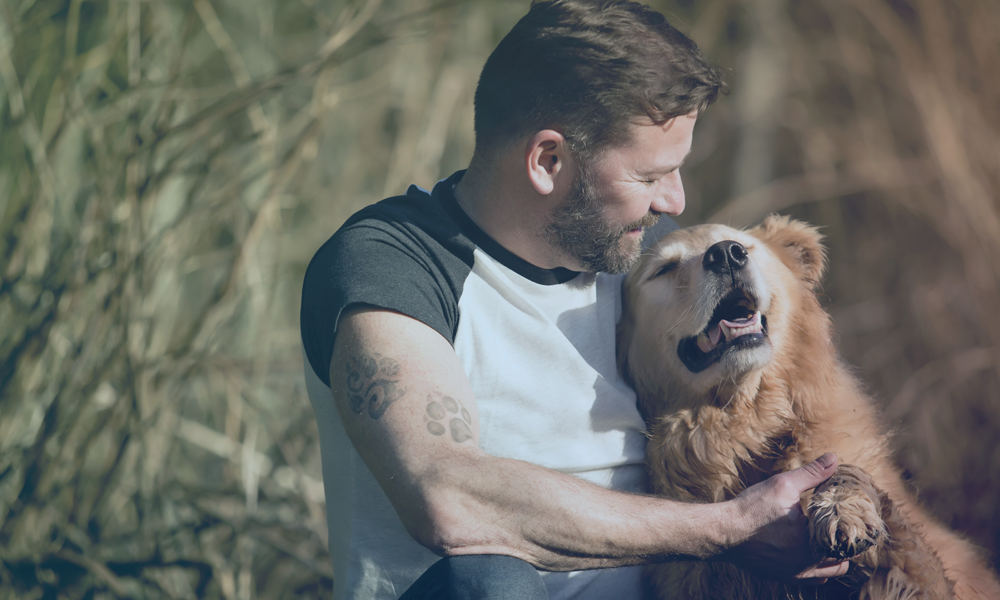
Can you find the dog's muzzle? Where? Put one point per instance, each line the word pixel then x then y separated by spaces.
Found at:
pixel 736 324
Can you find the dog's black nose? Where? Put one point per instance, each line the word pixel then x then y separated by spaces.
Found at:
pixel 724 256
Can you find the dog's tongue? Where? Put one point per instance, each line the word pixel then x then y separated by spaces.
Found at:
pixel 708 342
pixel 730 329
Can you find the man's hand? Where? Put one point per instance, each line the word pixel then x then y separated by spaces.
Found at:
pixel 778 546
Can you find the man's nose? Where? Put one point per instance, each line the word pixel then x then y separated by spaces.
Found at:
pixel 671 200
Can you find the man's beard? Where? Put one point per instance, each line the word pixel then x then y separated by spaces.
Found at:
pixel 580 228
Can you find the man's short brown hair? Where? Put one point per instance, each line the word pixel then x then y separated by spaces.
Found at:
pixel 587 69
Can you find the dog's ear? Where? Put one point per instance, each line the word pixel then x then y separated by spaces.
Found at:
pixel 798 241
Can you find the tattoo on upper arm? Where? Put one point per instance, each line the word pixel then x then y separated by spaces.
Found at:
pixel 373 381
pixel 459 419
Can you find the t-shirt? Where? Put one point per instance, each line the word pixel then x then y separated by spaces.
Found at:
pixel 537 345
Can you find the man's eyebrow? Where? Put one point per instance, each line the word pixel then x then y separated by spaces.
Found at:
pixel 667 168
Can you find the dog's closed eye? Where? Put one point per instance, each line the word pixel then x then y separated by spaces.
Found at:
pixel 670 266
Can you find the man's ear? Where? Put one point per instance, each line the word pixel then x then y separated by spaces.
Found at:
pixel 799 242
pixel 545 160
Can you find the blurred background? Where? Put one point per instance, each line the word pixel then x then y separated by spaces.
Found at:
pixel 167 169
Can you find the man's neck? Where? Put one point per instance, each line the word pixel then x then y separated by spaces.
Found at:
pixel 499 199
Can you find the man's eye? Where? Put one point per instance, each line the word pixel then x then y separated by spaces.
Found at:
pixel 670 266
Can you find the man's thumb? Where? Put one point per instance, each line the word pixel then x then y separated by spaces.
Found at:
pixel 816 472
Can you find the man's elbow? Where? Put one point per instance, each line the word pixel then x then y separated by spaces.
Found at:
pixel 440 530
pixel 452 528
pixel 447 529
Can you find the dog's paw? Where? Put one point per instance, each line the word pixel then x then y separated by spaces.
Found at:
pixel 845 514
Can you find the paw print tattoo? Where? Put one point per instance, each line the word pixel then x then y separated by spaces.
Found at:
pixel 459 420
pixel 373 381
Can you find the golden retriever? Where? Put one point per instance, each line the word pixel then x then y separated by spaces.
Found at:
pixel 730 354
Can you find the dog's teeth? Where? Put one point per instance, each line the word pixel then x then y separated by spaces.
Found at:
pixel 705 344
pixel 740 327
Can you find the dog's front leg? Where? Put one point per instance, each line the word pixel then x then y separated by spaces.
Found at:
pixel 845 515
pixel 851 518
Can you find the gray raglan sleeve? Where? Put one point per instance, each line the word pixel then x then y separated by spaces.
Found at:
pixel 379 264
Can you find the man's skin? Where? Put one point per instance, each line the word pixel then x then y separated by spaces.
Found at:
pixel 455 499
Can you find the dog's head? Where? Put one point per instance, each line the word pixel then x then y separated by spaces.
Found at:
pixel 712 306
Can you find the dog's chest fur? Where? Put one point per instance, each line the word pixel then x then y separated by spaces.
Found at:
pixel 727 448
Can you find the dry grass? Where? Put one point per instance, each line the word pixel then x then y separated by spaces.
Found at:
pixel 167 169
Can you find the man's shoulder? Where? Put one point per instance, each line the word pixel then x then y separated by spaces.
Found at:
pixel 416 206
pixel 418 212
pixel 416 226
pixel 412 226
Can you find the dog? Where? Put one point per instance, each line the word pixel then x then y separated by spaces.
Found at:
pixel 730 353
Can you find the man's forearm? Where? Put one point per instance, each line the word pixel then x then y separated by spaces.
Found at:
pixel 478 504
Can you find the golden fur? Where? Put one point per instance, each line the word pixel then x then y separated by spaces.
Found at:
pixel 772 402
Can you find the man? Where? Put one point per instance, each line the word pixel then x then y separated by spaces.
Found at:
pixel 461 342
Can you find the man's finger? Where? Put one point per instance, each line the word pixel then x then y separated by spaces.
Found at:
pixel 809 476
pixel 824 571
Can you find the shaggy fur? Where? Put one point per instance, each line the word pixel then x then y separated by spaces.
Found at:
pixel 725 415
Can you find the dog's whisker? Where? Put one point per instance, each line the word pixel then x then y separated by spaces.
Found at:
pixel 733 381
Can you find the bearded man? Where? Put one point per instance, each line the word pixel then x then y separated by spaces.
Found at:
pixel 460 342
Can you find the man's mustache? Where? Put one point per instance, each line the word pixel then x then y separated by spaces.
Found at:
pixel 647 221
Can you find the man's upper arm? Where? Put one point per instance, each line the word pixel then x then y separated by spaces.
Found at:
pixel 407 407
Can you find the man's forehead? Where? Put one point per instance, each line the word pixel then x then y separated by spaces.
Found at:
pixel 645 121
pixel 677 129
pixel 656 144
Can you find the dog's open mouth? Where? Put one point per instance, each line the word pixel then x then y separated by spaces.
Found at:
pixel 736 324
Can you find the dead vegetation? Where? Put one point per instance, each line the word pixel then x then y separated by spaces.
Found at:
pixel 167 169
